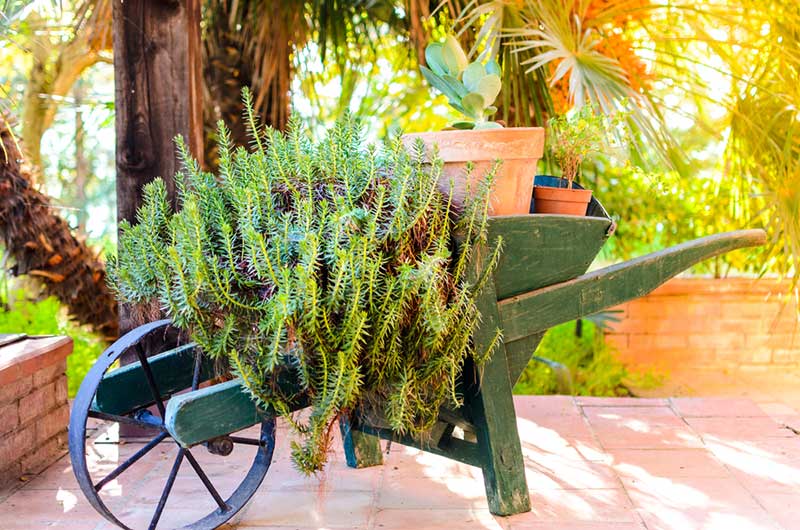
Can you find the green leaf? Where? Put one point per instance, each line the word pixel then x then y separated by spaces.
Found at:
pixel 440 84
pixel 473 75
pixel 456 85
pixel 488 125
pixel 489 88
pixel 463 124
pixel 473 105
pixel 454 56
pixel 492 67
pixel 488 111
pixel 434 58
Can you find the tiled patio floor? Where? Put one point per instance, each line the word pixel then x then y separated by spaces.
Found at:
pixel 683 463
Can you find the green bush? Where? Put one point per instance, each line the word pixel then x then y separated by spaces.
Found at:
pixel 326 262
pixel 46 317
pixel 590 360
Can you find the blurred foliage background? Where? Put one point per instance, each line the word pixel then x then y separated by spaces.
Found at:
pixel 710 88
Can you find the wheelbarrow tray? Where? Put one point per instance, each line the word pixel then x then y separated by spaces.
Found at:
pixel 540 281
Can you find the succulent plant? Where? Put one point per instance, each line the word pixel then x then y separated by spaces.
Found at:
pixel 470 87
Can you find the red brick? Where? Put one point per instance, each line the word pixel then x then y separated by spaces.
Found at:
pixel 61 390
pixel 718 341
pixel 9 417
pixel 49 373
pixel 631 325
pixel 9 472
pixel 744 355
pixel 44 454
pixel 16 389
pixel 658 341
pixel 617 341
pixel 37 403
pixel 760 310
pixel 785 356
pixel 54 423
pixel 17 443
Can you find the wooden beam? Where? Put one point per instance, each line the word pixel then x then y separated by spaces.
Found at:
pixel 539 310
pixel 125 389
pixel 224 408
pixel 157 96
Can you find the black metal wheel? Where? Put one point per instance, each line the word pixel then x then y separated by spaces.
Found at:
pixel 89 432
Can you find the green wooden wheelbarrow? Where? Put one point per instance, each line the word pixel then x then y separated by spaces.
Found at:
pixel 540 281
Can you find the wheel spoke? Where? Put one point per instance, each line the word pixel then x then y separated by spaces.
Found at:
pixel 206 482
pixel 150 379
pixel 246 441
pixel 167 488
pixel 124 419
pixel 132 460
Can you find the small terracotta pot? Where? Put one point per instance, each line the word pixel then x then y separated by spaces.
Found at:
pixel 562 201
pixel 519 148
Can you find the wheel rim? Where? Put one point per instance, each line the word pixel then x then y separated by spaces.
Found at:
pixel 226 508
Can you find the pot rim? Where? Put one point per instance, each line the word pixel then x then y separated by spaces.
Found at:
pixel 507 143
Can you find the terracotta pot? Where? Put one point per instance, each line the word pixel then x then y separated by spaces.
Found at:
pixel 562 201
pixel 519 148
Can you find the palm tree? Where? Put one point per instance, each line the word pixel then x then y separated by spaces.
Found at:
pixel 43 246
pixel 576 52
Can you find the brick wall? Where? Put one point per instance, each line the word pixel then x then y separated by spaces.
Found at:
pixel 741 323
pixel 34 411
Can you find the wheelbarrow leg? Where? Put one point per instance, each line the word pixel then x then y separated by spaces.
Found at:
pixel 492 411
pixel 360 449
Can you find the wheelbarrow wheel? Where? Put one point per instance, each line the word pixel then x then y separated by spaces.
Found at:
pixel 89 430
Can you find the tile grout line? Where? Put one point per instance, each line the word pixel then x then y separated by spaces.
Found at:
pixel 724 464
pixel 596 439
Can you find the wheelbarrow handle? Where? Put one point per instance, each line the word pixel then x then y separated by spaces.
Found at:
pixel 537 311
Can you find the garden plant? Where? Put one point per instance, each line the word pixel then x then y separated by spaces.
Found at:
pixel 327 262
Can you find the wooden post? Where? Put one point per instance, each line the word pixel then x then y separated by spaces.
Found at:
pixel 491 404
pixel 157 75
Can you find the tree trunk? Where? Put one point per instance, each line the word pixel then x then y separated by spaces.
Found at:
pixel 157 78
pixel 44 248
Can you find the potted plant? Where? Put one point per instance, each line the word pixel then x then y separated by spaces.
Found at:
pixel 571 138
pixel 471 89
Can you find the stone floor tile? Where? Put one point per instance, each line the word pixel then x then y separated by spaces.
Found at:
pixel 427 519
pixel 539 406
pixel 716 407
pixel 590 401
pixel 574 525
pixel 564 472
pixel 667 463
pixel 603 505
pixel 344 509
pixel 754 428
pixel 655 413
pixel 696 503
pixel 635 433
pixel 783 506
pixel 608 464
pixel 446 492
pixel 777 408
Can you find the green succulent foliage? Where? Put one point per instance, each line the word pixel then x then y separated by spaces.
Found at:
pixel 471 88
pixel 328 262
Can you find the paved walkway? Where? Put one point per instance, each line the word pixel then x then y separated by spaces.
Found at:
pixel 591 463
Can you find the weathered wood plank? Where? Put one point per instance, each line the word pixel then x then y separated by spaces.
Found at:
pixel 217 410
pixel 459 450
pixel 360 449
pixel 158 96
pixel 125 389
pixel 540 250
pixel 539 310
pixel 491 407
pixel 519 353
